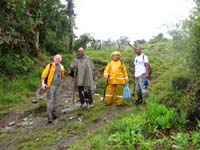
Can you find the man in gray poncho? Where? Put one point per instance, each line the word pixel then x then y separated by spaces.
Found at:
pixel 83 67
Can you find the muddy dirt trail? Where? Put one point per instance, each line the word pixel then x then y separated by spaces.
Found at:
pixel 29 117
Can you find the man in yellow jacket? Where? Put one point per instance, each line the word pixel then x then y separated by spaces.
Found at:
pixel 117 76
pixel 54 73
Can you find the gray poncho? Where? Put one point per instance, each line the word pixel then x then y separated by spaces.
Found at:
pixel 85 75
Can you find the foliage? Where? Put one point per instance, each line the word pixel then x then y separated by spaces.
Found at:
pixel 159 38
pixel 179 34
pixel 31 28
pixel 194 51
pixel 160 117
pixel 137 130
pixel 181 141
pixel 82 41
pixel 194 36
pixel 196 139
pixel 15 91
pixel 12 64
pixel 28 27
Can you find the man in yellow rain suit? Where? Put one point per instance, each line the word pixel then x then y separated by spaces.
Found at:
pixel 117 76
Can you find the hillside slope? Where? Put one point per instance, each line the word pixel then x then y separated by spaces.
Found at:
pixel 25 126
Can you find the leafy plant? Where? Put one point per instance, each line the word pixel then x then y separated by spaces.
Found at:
pixel 181 141
pixel 160 116
pixel 163 143
pixel 182 120
pixel 127 131
pixel 196 139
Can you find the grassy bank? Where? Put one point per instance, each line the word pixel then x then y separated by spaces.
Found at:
pixel 157 128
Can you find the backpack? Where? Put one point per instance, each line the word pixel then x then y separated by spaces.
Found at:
pixel 150 70
pixel 46 79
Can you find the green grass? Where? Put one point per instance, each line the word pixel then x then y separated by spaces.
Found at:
pixel 139 131
pixel 18 91
pixel 99 139
pixel 167 64
pixel 40 139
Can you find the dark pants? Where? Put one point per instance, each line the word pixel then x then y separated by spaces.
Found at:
pixel 85 95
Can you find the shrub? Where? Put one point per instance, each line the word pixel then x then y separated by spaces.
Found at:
pixel 160 116
pixel 8 98
pixel 14 64
pixel 127 131
pixel 180 83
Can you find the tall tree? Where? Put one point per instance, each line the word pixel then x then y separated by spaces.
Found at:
pixel 71 14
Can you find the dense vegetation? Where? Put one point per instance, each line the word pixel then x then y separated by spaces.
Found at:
pixel 28 28
pixel 33 31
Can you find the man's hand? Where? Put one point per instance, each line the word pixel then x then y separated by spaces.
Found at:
pixel 106 76
pixel 126 81
pixel 147 75
pixel 44 86
pixel 75 65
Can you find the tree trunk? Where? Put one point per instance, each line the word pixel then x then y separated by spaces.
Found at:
pixel 71 39
pixel 36 42
pixel 35 51
pixel 71 14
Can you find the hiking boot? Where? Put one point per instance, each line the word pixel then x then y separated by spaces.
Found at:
pixel 91 105
pixel 55 117
pixel 138 102
pixel 120 105
pixel 83 105
pixel 144 101
pixel 34 101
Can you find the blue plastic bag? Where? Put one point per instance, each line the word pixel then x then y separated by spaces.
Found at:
pixel 146 82
pixel 127 92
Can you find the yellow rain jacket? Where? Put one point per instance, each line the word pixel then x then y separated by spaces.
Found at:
pixel 51 73
pixel 117 73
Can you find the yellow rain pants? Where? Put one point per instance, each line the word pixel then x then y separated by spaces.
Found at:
pixel 114 92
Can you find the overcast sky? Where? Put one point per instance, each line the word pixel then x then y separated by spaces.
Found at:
pixel 137 19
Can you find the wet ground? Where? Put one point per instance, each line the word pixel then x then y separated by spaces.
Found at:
pixel 32 116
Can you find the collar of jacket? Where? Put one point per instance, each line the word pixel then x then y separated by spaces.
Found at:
pixel 78 57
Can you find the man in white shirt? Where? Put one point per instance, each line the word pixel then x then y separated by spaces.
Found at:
pixel 141 72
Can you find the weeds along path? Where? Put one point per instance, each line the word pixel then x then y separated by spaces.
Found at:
pixel 100 121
